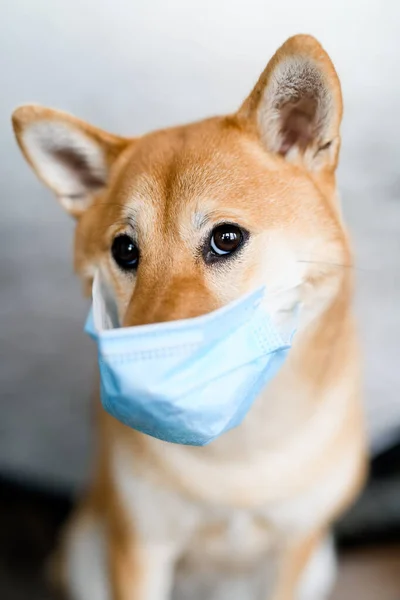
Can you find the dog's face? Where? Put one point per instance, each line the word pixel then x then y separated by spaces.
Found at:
pixel 184 220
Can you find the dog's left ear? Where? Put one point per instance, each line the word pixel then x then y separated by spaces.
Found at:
pixel 296 105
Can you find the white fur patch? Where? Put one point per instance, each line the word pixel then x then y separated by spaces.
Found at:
pixel 319 576
pixel 86 564
pixel 305 512
pixel 158 515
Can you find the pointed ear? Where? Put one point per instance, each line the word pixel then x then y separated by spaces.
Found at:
pixel 296 105
pixel 71 157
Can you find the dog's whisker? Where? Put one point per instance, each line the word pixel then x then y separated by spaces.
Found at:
pixel 333 264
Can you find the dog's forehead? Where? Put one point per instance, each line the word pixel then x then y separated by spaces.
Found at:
pixel 192 170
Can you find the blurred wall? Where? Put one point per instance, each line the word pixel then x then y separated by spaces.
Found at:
pixel 134 66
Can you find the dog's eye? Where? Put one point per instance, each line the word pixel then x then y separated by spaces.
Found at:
pixel 125 252
pixel 225 239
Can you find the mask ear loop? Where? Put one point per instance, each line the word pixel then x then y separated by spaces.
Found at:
pixel 287 326
pixel 105 311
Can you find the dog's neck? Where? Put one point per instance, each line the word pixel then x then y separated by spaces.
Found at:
pixel 306 400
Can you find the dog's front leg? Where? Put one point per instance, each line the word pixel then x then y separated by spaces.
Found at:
pixel 306 569
pixel 147 529
pixel 139 569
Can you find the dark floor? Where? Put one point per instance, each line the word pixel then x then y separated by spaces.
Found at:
pixel 369 574
pixel 29 522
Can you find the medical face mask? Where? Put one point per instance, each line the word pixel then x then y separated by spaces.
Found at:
pixel 191 380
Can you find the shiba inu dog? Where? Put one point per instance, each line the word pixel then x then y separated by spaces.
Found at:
pixel 183 221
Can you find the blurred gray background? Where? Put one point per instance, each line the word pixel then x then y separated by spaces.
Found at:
pixel 134 66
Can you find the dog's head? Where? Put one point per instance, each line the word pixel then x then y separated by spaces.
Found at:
pixel 186 219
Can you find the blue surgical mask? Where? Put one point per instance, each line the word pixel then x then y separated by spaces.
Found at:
pixel 191 380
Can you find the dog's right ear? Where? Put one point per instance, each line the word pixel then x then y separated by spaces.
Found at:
pixel 71 157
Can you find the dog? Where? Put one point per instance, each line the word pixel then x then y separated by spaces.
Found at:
pixel 267 491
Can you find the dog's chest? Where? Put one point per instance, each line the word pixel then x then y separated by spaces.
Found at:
pixel 200 530
pixel 221 534
pixel 224 537
pixel 244 536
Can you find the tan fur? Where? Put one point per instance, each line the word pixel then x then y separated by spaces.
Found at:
pixel 298 459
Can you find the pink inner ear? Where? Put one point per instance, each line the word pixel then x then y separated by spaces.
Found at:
pixel 298 124
pixel 78 164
